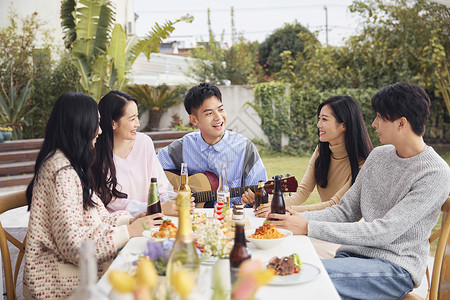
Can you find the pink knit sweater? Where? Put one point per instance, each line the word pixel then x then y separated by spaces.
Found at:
pixel 57 226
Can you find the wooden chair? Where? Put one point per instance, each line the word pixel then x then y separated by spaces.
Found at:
pixel 439 287
pixel 8 202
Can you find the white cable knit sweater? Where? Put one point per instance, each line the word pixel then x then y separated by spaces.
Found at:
pixel 400 201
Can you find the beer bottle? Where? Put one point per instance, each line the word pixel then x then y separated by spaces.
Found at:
pixel 261 196
pixel 239 252
pixel 184 186
pixel 153 205
pixel 223 192
pixel 277 206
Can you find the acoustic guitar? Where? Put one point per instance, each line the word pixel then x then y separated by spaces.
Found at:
pixel 204 186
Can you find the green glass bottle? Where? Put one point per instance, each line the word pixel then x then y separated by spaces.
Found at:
pixel 153 205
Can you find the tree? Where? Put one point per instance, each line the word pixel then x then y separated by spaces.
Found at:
pixel 283 39
pixel 220 65
pixel 17 71
pixel 400 40
pixel 316 67
pixel 406 40
pixel 103 56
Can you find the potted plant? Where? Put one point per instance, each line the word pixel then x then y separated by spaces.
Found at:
pixel 156 100
pixel 6 131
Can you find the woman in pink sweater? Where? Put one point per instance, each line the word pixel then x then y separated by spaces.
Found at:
pixel 126 159
pixel 64 209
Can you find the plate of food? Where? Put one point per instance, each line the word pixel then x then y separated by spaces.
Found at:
pixel 167 230
pixel 267 236
pixel 289 270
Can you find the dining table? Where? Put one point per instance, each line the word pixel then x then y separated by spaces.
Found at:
pixel 317 286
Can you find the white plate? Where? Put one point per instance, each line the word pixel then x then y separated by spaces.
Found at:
pixel 307 273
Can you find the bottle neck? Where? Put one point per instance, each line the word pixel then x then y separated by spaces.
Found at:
pixel 278 186
pixel 153 195
pixel 223 184
pixel 239 236
pixel 184 186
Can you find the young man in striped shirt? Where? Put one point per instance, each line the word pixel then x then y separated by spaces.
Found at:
pixel 213 145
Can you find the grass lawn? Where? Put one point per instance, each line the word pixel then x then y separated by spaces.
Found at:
pixel 296 166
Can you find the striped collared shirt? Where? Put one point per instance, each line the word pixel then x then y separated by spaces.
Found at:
pixel 236 151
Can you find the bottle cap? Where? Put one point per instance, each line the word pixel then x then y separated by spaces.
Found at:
pixel 153 179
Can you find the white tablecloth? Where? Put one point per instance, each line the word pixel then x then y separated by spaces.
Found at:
pixel 319 288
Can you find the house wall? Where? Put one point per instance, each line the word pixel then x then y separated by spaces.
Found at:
pixel 49 14
pixel 241 118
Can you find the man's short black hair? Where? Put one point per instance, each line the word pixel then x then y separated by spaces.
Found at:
pixel 403 99
pixel 199 93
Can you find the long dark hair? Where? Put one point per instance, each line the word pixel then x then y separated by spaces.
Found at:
pixel 111 108
pixel 357 141
pixel 71 128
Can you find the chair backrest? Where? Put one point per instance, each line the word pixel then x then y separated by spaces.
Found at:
pixel 440 280
pixel 7 202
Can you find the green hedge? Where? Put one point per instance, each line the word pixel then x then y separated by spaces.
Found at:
pixel 294 113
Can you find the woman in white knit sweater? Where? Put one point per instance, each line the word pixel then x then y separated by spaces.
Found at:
pixel 64 211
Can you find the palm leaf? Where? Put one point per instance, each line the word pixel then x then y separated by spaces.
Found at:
pixel 21 101
pixel 116 51
pixel 105 18
pixel 80 62
pixel 112 83
pixel 142 92
pixel 87 24
pixel 12 100
pixel 98 87
pixel 150 43
pixel 68 22
pixel 4 109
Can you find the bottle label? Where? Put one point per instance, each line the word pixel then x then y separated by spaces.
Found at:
pixel 224 197
pixel 184 199
pixel 233 274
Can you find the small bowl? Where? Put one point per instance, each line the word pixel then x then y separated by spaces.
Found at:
pixel 268 243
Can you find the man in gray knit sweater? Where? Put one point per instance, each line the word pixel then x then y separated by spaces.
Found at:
pixel 385 219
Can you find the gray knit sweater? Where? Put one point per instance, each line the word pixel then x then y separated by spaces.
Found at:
pixel 400 201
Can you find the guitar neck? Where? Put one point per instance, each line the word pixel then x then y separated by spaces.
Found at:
pixel 207 196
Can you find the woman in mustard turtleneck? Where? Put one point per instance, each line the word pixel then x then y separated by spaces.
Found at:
pixel 344 144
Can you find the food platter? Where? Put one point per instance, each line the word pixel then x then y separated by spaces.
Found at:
pixel 307 273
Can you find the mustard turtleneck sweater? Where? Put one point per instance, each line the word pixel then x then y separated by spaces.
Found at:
pixel 339 181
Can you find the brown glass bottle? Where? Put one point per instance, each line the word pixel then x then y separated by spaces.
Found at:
pixel 277 206
pixel 153 205
pixel 261 195
pixel 240 252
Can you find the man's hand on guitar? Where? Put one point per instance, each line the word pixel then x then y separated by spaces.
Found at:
pixel 248 197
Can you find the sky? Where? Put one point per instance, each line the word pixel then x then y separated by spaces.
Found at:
pixel 255 19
